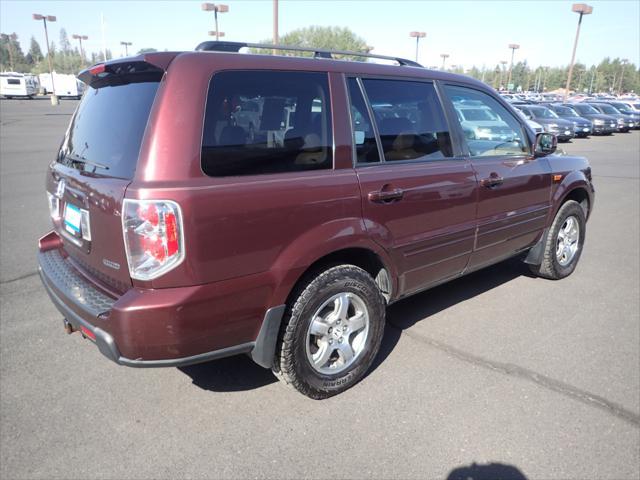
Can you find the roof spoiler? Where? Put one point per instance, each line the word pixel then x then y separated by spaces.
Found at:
pixel 148 63
pixel 216 46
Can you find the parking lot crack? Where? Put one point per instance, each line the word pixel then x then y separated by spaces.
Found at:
pixel 544 381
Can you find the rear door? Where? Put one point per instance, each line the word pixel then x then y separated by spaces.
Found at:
pixel 96 161
pixel 514 187
pixel 418 195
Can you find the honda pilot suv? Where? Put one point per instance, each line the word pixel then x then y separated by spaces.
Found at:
pixel 213 203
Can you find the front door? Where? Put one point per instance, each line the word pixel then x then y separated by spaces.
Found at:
pixel 418 195
pixel 514 190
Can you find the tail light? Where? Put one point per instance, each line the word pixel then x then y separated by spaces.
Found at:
pixel 153 237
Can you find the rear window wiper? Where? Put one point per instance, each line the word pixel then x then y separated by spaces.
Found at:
pixel 75 158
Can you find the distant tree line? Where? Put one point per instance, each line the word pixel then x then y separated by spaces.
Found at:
pixel 65 58
pixel 608 75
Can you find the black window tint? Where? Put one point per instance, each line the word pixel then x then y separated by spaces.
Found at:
pixel 260 122
pixel 364 137
pixel 13 81
pixel 410 120
pixel 106 131
pixel 496 131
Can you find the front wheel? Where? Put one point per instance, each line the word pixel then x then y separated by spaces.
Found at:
pixel 563 242
pixel 331 332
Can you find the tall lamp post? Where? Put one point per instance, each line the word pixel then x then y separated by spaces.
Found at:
pixel 126 47
pixel 215 8
pixel 444 58
pixel 51 18
pixel 80 38
pixel 417 36
pixel 624 64
pixel 513 47
pixel 582 9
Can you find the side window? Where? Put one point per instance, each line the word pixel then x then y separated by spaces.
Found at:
pixel 410 120
pixel 260 122
pixel 364 137
pixel 489 128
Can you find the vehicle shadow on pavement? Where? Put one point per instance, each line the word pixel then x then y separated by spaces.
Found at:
pixel 489 471
pixel 239 373
pixel 408 312
pixel 233 374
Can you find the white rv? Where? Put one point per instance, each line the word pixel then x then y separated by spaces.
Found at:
pixel 66 85
pixel 18 85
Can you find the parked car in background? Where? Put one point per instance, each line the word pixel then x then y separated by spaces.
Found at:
pixel 624 122
pixel 551 97
pixel 581 126
pixel 14 85
pixel 551 123
pixel 481 123
pixel 626 109
pixel 535 126
pixel 66 86
pixel 178 238
pixel 602 124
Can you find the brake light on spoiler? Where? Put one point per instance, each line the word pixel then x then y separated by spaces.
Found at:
pixel 153 237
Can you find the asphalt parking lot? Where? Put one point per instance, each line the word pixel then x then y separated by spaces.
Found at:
pixel 498 373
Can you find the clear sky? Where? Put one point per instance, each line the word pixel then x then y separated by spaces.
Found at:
pixel 472 32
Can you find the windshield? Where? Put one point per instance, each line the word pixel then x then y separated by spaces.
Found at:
pixel 478 114
pixel 565 112
pixel 608 109
pixel 106 131
pixel 622 107
pixel 586 109
pixel 543 113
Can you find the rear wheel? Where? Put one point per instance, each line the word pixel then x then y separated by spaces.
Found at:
pixel 563 243
pixel 331 332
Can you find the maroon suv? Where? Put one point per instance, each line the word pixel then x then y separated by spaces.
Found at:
pixel 213 203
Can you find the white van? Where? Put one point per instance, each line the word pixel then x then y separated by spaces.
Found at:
pixel 66 85
pixel 18 85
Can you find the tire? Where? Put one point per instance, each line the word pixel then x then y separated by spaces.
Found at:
pixel 556 265
pixel 343 296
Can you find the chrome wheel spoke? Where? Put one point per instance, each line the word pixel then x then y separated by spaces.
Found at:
pixel 357 322
pixel 319 328
pixel 346 352
pixel 322 356
pixel 341 307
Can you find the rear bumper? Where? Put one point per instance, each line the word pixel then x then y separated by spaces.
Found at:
pixel 163 327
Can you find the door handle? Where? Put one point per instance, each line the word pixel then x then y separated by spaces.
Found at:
pixel 493 181
pixel 385 196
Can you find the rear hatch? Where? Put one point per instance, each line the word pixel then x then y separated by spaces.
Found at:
pixel 86 183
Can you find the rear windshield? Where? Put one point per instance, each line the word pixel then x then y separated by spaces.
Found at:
pixel 106 131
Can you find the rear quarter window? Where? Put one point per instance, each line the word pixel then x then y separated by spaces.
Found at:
pixel 263 122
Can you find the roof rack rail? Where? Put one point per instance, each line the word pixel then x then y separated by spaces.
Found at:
pixel 216 46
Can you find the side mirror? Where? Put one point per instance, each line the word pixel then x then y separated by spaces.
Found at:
pixel 546 144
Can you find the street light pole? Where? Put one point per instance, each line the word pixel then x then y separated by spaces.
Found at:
pixel 418 36
pixel 444 58
pixel 126 47
pixel 215 8
pixel 80 38
pixel 513 47
pixel 51 18
pixel 582 9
